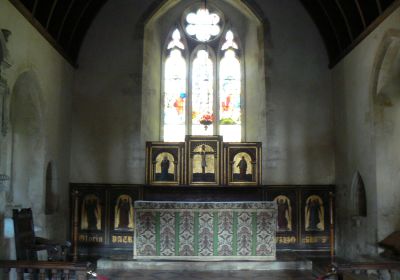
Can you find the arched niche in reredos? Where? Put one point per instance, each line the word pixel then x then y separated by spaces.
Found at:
pixel 27 140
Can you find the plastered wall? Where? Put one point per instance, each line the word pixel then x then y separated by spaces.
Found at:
pixel 367 126
pixel 38 116
pixel 116 108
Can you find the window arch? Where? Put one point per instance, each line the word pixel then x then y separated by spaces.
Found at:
pixel 202 88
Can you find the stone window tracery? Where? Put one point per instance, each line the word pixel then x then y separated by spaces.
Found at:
pixel 202 78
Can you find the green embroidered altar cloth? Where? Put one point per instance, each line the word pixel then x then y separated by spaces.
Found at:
pixel 205 230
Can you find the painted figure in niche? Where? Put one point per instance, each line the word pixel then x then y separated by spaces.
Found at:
pixel 164 167
pixel 91 213
pixel 203 160
pixel 242 167
pixel 203 164
pixel 314 214
pixel 284 213
pixel 123 213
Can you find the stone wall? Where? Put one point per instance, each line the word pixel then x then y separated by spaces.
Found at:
pixel 288 92
pixel 39 85
pixel 366 94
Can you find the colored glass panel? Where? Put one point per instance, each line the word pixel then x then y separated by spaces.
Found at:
pixel 175 96
pixel 202 94
pixel 229 93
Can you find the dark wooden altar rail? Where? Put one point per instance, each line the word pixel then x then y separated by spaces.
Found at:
pixel 344 270
pixel 44 268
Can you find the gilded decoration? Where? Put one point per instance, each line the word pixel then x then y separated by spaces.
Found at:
pixel 164 163
pixel 203 161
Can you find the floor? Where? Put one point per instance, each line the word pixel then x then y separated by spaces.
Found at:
pixel 209 275
pixel 111 273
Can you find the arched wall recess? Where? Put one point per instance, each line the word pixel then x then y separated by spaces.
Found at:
pixel 359 196
pixel 27 140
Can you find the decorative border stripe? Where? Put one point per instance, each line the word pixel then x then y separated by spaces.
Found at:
pixel 196 233
pixel 253 233
pixel 158 220
pixel 208 258
pixel 215 243
pixel 234 234
pixel 177 232
pixel 158 205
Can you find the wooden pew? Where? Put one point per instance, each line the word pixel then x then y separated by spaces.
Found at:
pixel 345 270
pixel 53 270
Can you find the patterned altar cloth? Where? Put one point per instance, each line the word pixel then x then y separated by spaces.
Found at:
pixel 205 230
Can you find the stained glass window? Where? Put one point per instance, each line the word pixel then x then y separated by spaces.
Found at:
pixel 229 92
pixel 175 91
pixel 202 96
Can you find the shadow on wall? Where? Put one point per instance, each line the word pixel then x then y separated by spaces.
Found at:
pixel 51 204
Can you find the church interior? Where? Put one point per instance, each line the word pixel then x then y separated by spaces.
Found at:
pixel 112 112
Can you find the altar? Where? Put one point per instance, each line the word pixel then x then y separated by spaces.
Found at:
pixel 205 230
pixel 202 199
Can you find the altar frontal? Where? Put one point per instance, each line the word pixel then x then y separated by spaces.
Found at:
pixel 205 230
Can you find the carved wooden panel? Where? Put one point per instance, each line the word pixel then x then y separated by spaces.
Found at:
pixel 106 225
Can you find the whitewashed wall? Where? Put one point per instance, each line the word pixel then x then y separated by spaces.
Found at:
pixel 40 84
pixel 367 128
pixel 290 110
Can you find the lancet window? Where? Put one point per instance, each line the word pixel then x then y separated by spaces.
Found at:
pixel 202 78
